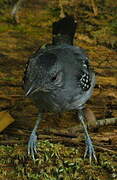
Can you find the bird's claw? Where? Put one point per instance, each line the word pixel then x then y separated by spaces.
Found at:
pixel 32 145
pixel 90 150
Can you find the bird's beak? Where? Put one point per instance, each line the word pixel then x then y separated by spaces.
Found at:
pixel 31 90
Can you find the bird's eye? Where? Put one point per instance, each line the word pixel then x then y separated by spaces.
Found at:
pixel 54 77
pixel 57 78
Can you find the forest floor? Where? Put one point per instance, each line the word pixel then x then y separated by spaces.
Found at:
pixel 60 148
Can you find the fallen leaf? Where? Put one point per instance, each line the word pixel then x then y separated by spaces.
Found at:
pixel 5 120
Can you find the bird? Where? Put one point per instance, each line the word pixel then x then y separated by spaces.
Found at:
pixel 59 78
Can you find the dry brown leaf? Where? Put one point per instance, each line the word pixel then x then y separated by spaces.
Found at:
pixel 5 120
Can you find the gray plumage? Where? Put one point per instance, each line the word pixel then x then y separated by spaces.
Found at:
pixel 73 86
pixel 58 78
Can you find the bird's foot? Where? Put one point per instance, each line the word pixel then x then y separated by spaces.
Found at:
pixel 90 150
pixel 32 145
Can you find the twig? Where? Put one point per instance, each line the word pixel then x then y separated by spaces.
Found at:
pixel 62 14
pixel 95 9
pixel 11 142
pixel 108 121
pixel 105 149
pixel 15 10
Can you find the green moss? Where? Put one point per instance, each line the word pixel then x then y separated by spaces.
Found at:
pixel 53 162
pixel 8 79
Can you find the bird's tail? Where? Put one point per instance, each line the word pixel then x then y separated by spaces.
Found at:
pixel 64 30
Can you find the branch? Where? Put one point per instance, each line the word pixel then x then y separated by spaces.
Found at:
pixel 108 121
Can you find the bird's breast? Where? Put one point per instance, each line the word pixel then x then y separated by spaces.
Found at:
pixel 48 102
pixel 60 101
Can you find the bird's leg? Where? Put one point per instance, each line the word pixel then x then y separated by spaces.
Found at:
pixel 89 146
pixel 33 138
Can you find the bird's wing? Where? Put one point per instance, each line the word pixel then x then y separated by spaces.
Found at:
pixel 84 73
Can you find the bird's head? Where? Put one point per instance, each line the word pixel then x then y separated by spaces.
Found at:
pixel 44 74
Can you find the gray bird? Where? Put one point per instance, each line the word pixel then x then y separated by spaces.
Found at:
pixel 58 78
